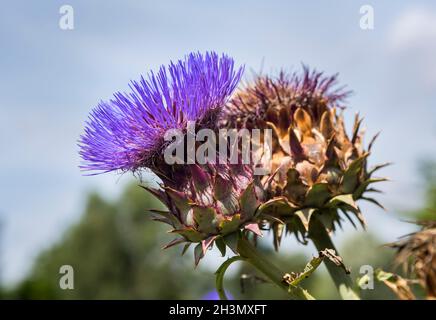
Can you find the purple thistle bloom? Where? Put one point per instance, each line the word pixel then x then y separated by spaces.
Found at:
pixel 126 133
pixel 213 295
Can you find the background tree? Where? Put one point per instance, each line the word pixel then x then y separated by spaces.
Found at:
pixel 115 251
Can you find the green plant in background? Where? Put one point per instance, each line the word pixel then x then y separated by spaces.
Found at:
pixel 115 254
pixel 427 170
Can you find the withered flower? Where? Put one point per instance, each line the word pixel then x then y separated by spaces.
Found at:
pixel 417 253
pixel 317 168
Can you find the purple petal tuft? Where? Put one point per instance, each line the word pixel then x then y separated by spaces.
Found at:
pixel 122 133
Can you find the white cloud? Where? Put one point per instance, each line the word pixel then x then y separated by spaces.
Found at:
pixel 414 28
pixel 412 38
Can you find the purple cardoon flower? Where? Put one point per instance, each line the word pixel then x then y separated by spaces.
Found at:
pixel 213 295
pixel 126 132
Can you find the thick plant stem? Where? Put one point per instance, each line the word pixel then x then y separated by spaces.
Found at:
pixel 274 274
pixel 318 234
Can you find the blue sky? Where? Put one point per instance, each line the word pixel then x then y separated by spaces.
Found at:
pixel 51 78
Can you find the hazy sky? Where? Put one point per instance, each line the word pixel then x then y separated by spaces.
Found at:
pixel 51 78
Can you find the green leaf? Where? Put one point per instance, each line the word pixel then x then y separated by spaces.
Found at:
pixel 231 240
pixel 249 202
pixel 317 195
pixel 373 190
pixel 348 217
pixel 167 217
pixel 205 217
pixel 351 175
pixel 362 187
pixel 295 226
pixel 174 243
pixel 305 215
pixel 219 281
pixel 300 293
pixel 378 167
pixel 310 267
pixel 371 143
pixel 179 199
pixel 230 226
pixel 278 206
pixel 186 247
pixel 189 233
pixel 356 210
pixel 220 244
pixel 374 202
pixel 277 228
pixel 383 275
pixel 357 124
pixel 158 193
pixel 198 253
pixel 328 217
pixel 343 198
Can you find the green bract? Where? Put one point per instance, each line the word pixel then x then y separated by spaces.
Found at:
pixel 215 204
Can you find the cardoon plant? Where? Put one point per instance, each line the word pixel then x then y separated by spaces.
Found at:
pixel 318 170
pixel 207 203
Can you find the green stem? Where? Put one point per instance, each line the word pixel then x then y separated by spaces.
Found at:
pixel 318 234
pixel 220 276
pixel 274 274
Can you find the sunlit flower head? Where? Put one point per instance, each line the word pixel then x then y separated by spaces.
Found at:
pixel 126 132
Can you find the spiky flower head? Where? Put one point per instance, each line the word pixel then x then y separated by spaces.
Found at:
pixel 218 202
pixel 126 133
pixel 417 253
pixel 317 168
pixel 206 203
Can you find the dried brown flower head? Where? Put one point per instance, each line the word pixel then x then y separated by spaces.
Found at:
pixel 417 253
pixel 317 168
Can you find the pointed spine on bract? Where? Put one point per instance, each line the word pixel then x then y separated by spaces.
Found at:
pixel 215 205
pixel 317 168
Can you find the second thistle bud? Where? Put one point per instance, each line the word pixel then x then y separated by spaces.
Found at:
pixel 317 168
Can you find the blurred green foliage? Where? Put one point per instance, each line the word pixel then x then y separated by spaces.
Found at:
pixel 428 210
pixel 116 253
